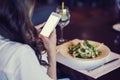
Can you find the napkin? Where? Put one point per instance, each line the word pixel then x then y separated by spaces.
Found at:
pixel 97 72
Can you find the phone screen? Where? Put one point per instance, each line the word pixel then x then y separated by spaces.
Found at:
pixel 50 24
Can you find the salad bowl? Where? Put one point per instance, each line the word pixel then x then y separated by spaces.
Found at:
pixel 83 62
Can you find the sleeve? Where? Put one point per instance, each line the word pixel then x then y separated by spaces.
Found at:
pixel 29 68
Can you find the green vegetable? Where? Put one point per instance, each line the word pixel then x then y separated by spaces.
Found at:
pixel 85 51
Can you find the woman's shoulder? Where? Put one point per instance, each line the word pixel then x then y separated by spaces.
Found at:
pixel 11 51
pixel 20 47
pixel 11 46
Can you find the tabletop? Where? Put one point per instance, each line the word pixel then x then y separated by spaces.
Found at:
pixel 92 23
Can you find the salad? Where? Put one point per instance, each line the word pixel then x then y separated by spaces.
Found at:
pixel 84 50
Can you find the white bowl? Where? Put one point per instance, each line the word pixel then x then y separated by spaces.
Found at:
pixel 81 63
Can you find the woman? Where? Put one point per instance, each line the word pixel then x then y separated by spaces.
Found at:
pixel 21 46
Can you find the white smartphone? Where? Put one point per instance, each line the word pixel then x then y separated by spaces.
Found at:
pixel 50 24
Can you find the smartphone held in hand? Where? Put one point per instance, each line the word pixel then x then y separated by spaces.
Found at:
pixel 50 24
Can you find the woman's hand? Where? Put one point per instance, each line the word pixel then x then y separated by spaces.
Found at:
pixel 38 27
pixel 50 45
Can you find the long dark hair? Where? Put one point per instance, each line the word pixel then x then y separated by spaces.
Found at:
pixel 16 25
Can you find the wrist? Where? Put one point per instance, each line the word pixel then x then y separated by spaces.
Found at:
pixel 52 59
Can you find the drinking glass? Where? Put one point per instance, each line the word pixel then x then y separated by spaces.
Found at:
pixel 64 21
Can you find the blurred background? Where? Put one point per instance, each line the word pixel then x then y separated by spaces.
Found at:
pixel 73 3
pixel 45 7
